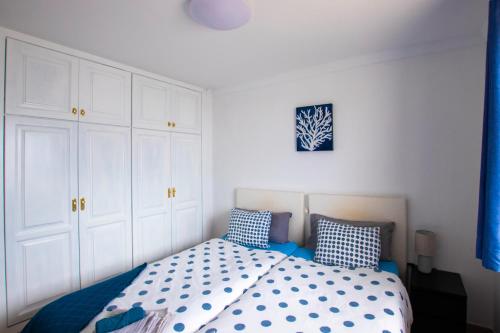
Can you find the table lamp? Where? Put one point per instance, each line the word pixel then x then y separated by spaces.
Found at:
pixel 425 248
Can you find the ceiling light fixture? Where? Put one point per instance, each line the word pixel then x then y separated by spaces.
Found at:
pixel 220 14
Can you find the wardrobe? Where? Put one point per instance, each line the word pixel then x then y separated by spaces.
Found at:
pixel 102 173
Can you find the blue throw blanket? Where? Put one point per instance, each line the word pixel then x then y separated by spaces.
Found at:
pixel 71 313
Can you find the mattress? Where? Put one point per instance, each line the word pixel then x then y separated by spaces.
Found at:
pixel 298 295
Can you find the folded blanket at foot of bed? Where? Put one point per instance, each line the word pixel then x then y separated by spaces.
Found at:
pixel 71 313
pixel 154 322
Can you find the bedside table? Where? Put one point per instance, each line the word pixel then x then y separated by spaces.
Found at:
pixel 438 300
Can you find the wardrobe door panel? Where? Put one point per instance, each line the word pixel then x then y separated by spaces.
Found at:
pixel 108 250
pixel 186 179
pixel 40 282
pixel 186 110
pixel 155 238
pixel 187 226
pixel 151 100
pixel 151 202
pixel 41 220
pixel 40 82
pixel 105 207
pixel 104 94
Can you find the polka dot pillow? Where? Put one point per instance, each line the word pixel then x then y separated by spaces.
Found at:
pixel 249 228
pixel 347 246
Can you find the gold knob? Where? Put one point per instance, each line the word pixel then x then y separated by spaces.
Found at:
pixel 173 124
pixel 169 192
pixel 74 111
pixel 82 204
pixel 169 124
pixel 173 192
pixel 73 205
pixel 82 112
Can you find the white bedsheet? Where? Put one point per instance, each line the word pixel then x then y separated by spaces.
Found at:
pixel 300 296
pixel 196 284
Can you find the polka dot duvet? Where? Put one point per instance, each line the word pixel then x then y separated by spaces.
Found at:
pixel 298 295
pixel 196 284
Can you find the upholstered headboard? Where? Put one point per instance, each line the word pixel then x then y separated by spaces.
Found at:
pixel 350 207
pixel 367 208
pixel 276 201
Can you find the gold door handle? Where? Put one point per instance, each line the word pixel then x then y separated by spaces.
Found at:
pixel 173 192
pixel 169 192
pixel 173 124
pixel 73 205
pixel 82 112
pixel 82 203
pixel 169 124
pixel 74 111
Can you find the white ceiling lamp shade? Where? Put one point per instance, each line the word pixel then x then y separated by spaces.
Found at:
pixel 220 14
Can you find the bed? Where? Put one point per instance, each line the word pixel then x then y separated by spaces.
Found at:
pixel 298 295
pixel 198 283
pixel 219 286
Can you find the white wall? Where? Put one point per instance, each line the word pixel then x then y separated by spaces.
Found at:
pixel 207 167
pixel 410 126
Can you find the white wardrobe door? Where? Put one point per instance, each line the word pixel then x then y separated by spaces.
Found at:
pixel 41 226
pixel 104 94
pixel 186 179
pixel 151 202
pixel 186 110
pixel 104 185
pixel 151 100
pixel 40 82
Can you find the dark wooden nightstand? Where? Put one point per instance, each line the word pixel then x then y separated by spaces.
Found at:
pixel 438 300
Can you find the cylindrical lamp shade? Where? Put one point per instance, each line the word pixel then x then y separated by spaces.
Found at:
pixel 425 243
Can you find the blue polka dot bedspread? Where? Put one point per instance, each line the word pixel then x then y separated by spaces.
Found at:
pixel 195 285
pixel 298 295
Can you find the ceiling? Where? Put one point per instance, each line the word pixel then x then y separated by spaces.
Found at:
pixel 283 35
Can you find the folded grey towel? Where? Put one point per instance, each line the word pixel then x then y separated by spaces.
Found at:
pixel 154 322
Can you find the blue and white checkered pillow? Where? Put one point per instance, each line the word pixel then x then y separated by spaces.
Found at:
pixel 346 245
pixel 249 228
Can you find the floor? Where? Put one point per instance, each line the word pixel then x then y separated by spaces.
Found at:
pixel 477 329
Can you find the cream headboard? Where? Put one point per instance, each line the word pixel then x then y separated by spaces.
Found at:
pixel 367 208
pixel 276 201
